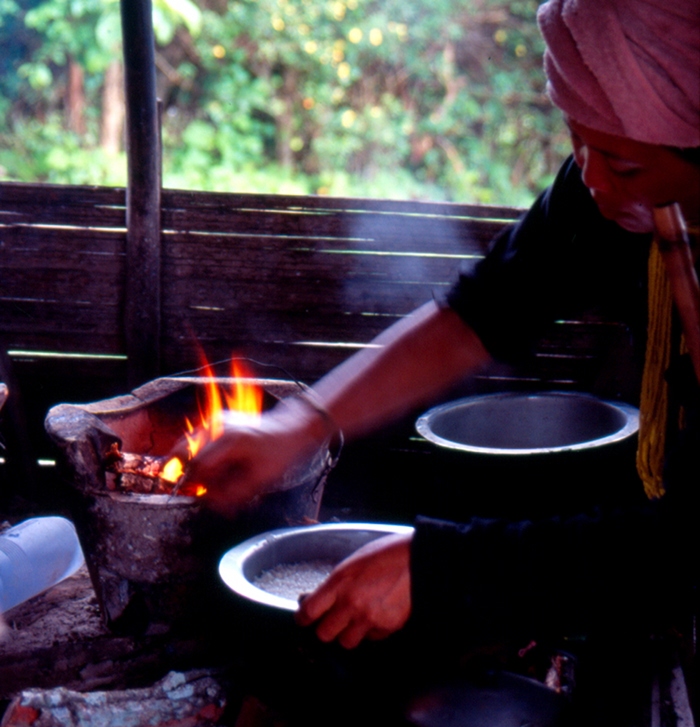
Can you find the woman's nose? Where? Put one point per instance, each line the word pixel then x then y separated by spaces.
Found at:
pixel 595 171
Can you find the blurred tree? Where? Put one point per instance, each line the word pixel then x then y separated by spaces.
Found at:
pixel 433 98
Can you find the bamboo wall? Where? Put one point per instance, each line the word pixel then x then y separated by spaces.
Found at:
pixel 297 283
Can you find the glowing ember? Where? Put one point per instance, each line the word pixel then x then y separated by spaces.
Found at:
pixel 191 490
pixel 173 470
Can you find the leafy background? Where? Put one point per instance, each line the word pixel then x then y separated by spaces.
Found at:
pixel 432 99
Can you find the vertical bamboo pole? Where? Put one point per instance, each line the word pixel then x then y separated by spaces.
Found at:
pixel 143 265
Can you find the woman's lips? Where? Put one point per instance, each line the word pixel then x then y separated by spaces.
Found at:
pixel 633 217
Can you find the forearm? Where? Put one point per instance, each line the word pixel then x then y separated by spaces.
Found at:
pixel 408 365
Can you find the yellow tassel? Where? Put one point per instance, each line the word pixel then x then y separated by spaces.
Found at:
pixel 653 407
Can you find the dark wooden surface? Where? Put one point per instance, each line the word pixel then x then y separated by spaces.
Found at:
pixel 294 281
pixel 58 639
pixel 239 273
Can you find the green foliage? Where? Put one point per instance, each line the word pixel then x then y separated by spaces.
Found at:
pixel 169 14
pixel 42 150
pixel 439 99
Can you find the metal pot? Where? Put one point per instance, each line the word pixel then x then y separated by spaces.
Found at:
pixel 515 424
pixel 530 455
pixel 152 558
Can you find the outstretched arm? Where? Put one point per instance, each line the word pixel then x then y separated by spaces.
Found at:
pixel 410 364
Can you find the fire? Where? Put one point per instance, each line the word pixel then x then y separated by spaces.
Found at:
pixel 173 470
pixel 241 402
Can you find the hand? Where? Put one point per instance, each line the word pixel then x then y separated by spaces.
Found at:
pixel 367 596
pixel 246 460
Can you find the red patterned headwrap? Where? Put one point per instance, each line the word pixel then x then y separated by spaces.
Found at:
pixel 626 67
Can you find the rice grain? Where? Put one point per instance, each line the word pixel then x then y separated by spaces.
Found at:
pixel 290 580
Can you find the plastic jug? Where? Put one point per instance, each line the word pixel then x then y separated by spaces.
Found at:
pixel 35 555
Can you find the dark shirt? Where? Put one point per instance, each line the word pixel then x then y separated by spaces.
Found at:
pixel 563 257
pixel 486 580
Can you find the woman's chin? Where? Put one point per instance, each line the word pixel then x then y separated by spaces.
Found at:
pixel 634 224
pixel 638 220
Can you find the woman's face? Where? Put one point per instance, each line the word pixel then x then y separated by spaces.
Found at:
pixel 627 178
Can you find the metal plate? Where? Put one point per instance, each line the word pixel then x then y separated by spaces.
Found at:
pixel 330 542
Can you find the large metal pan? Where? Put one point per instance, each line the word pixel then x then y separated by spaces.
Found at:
pixel 331 542
pixel 516 424
pixel 529 455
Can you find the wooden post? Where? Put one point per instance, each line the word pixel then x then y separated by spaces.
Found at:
pixel 143 268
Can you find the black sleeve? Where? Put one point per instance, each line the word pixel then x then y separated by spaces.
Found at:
pixel 485 580
pixel 627 567
pixel 489 580
pixel 561 258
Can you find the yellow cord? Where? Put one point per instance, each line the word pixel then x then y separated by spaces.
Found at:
pixel 653 407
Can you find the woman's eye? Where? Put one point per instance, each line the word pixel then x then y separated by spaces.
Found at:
pixel 623 167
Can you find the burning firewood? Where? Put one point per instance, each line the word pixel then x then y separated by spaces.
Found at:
pixel 140 473
pixel 152 475
pixel 145 474
pixel 189 699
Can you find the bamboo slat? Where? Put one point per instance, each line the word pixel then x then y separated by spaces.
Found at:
pixel 295 282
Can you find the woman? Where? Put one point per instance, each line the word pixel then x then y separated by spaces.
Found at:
pixel 626 74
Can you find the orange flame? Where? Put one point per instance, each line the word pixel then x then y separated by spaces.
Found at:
pixel 173 470
pixel 242 402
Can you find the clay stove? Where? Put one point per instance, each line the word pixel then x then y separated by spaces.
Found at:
pixel 152 557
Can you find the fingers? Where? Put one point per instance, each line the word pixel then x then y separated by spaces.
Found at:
pixel 229 501
pixel 245 460
pixel 334 623
pixel 366 597
pixel 224 468
pixel 332 616
pixel 242 463
pixel 353 635
pixel 314 605
pixel 337 625
pixel 214 465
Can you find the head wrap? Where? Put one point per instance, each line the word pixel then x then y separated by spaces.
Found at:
pixel 626 67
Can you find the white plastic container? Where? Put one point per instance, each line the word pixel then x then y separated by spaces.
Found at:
pixel 35 555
